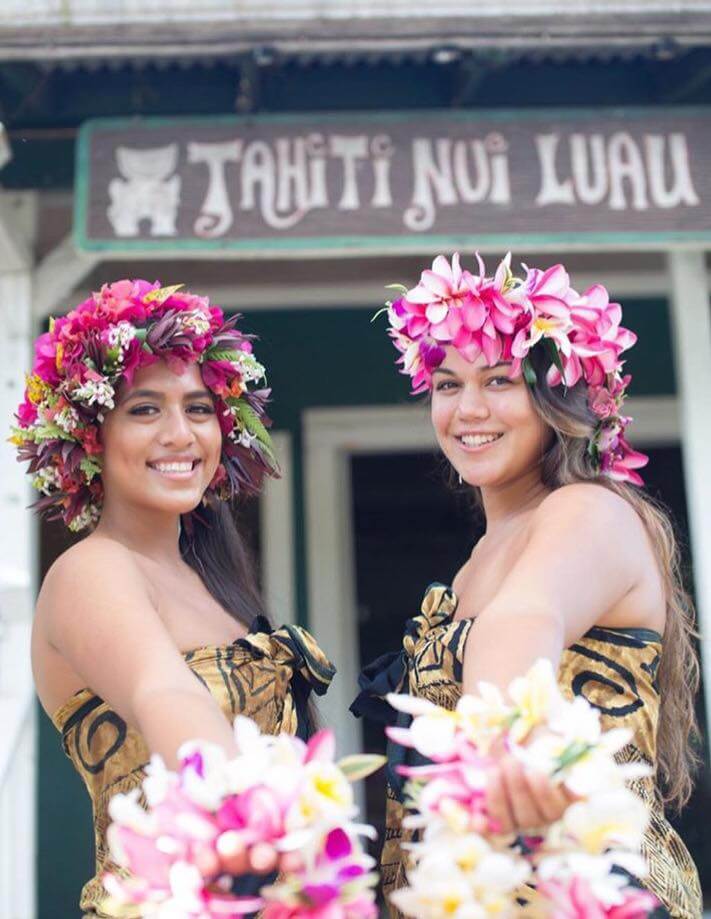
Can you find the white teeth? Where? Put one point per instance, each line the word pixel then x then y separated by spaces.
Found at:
pixel 173 467
pixel 478 440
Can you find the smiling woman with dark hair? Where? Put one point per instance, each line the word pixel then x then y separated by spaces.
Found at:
pixel 141 422
pixel 577 565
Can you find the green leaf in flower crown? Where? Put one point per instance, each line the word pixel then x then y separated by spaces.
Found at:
pixel 161 294
pixel 141 334
pixel 360 765
pixel 554 355
pixel 398 287
pixel 251 422
pixel 383 309
pixel 529 374
pixel 90 466
pixel 224 354
pixel 594 450
pixel 48 430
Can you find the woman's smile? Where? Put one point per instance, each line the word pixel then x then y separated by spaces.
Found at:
pixel 475 443
pixel 178 468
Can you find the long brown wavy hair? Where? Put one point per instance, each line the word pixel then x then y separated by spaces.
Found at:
pixel 567 461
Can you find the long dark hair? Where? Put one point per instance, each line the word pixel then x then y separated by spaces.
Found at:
pixel 567 460
pixel 212 545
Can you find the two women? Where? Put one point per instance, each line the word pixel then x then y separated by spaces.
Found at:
pixel 526 398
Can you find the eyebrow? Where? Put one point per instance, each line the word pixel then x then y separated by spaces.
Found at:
pixel 155 394
pixel 451 373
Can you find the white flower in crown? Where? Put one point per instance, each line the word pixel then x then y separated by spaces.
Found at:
pixel 121 335
pixel 95 392
pixel 67 419
pixel 88 516
pixel 249 367
pixel 195 320
pixel 47 480
pixel 245 438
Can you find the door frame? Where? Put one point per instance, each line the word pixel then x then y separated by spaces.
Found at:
pixel 276 535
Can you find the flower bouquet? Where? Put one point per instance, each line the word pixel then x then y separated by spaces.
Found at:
pixel 271 830
pixel 583 866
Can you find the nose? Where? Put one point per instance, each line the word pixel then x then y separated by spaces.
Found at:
pixel 472 403
pixel 176 430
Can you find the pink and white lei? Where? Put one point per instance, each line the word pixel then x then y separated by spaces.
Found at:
pixel 503 318
pixel 463 866
pixel 285 803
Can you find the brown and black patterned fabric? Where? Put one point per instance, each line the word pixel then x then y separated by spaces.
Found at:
pixel 267 675
pixel 614 669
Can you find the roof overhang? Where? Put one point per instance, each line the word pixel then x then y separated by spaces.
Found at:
pixel 80 29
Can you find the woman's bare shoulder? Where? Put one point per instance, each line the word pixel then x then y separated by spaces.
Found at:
pixel 591 502
pixel 90 569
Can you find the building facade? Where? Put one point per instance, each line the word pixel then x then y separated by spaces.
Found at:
pixel 290 160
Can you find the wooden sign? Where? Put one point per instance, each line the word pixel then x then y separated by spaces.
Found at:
pixel 318 184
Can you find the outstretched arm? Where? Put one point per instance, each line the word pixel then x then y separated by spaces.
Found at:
pixel 100 618
pixel 581 558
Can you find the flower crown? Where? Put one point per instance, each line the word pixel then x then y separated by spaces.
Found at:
pixel 504 317
pixel 100 344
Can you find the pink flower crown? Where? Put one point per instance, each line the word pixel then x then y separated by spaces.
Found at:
pixel 504 317
pixel 100 344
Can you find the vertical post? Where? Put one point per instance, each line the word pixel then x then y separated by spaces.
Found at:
pixel 691 324
pixel 16 563
pixel 333 615
pixel 17 567
pixel 276 524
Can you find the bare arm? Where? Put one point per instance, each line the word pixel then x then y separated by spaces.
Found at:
pixel 582 556
pixel 100 618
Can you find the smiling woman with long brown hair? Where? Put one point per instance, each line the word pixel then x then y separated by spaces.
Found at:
pixel 577 564
pixel 141 422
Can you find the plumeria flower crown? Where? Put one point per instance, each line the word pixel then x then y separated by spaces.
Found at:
pixel 504 318
pixel 98 346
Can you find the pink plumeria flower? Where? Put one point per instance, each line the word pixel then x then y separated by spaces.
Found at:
pixel 440 289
